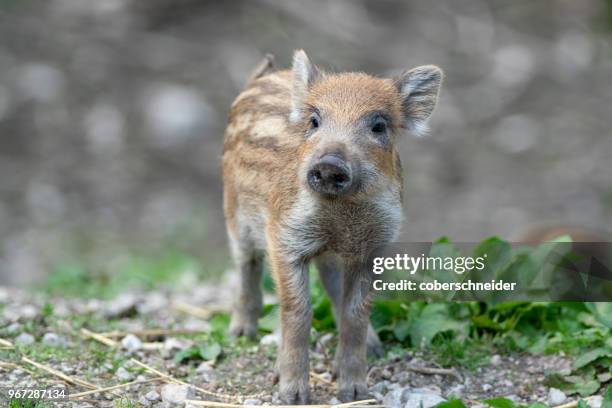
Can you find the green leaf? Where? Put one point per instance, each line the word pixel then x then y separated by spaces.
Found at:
pixel 500 403
pixel 401 331
pixel 219 324
pixel 208 352
pixel 451 404
pixel 591 356
pixel 537 405
pixel 587 388
pixel 434 319
pixel 191 353
pixel 270 321
pixel 604 377
pixel 607 401
pixel 211 351
pixel 602 312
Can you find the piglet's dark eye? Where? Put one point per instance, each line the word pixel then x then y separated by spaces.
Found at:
pixel 379 127
pixel 314 122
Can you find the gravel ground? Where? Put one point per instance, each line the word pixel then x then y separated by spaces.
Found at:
pixel 399 380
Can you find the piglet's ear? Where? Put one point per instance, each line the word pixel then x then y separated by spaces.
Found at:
pixel 304 75
pixel 419 88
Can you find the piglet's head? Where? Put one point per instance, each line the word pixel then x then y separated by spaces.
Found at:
pixel 351 124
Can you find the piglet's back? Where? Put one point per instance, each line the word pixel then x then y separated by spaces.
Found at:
pixel 260 150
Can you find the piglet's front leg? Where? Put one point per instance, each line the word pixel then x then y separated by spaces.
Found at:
pixel 351 355
pixel 296 317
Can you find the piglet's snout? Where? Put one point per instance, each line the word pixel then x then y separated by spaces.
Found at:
pixel 330 176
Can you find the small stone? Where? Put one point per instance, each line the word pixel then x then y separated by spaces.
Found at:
pixel 423 400
pixel 457 391
pixel 24 339
pixel 556 397
pixel 596 401
pixel 123 306
pixel 326 339
pixel 176 393
pixel 408 398
pixel 153 303
pixel 53 340
pixel 144 401
pixel 487 387
pixel 123 374
pixel 173 343
pixel 272 339
pixel 13 328
pixel 334 401
pixel 386 374
pixel 379 387
pixel 496 360
pixel 131 343
pixel 326 376
pixel 152 395
pixel 251 401
pixel 393 399
pixel 204 368
pixel 377 395
pixel 392 386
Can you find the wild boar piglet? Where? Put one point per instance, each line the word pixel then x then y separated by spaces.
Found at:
pixel 311 172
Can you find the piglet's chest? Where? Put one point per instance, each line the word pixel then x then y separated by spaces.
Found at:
pixel 341 227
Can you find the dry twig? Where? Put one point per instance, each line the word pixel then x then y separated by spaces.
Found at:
pixel 574 404
pixel 59 374
pixel 320 378
pixel 171 379
pixel 150 333
pixel 114 387
pixel 197 311
pixel 354 404
pixel 6 343
pixel 100 338
pixel 434 371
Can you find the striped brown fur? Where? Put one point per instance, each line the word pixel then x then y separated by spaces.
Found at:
pixel 312 173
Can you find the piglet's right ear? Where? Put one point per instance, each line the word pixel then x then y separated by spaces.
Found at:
pixel 304 75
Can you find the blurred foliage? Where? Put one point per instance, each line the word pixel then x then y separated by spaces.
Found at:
pixel 136 271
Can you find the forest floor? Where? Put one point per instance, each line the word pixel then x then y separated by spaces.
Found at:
pixel 158 338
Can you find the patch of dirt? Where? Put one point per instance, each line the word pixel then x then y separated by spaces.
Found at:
pixel 243 368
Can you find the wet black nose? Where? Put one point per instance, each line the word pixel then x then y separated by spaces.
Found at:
pixel 330 176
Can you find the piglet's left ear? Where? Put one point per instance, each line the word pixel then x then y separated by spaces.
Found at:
pixel 419 89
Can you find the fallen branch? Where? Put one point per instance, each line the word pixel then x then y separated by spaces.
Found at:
pixel 354 404
pixel 99 337
pixel 114 387
pixel 14 366
pixel 111 343
pixel 6 343
pixel 150 333
pixel 102 339
pixel 59 374
pixel 198 311
pixel 435 371
pixel 171 379
pixel 320 378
